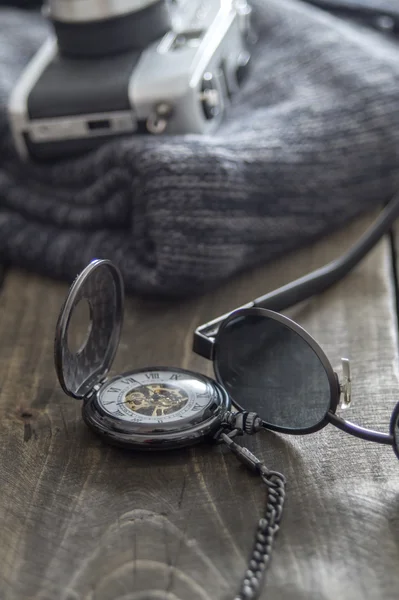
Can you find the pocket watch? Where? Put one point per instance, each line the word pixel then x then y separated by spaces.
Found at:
pixel 158 407
pixel 145 409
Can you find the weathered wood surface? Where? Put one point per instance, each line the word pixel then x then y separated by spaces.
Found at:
pixel 84 521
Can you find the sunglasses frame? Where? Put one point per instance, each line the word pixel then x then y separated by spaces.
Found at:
pixel 316 282
pixel 392 425
pixel 333 379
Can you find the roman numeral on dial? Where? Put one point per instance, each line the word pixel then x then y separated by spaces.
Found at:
pixel 128 380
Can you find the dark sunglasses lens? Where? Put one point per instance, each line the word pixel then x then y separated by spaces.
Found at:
pixel 269 368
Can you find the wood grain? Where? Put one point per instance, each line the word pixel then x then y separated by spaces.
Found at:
pixel 84 521
pixel 2 271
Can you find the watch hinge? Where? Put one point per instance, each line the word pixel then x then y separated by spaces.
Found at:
pixel 345 387
pixel 95 388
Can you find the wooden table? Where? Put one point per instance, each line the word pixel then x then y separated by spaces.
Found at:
pixel 84 521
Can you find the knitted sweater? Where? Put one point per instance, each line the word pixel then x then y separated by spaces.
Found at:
pixel 310 142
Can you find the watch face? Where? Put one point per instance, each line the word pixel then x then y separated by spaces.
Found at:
pixel 157 397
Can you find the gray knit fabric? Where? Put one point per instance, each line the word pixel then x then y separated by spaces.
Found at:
pixel 311 142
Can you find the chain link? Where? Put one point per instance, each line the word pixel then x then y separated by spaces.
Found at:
pixel 267 529
pixel 268 525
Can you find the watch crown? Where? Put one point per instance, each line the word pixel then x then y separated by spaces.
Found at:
pixel 253 423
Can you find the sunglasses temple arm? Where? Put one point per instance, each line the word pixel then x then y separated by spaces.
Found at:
pixel 323 278
pixel 309 285
pixel 360 432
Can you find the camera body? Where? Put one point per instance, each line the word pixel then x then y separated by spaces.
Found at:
pixel 122 67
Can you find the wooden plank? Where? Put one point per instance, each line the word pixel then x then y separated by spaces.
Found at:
pixel 2 271
pixel 81 520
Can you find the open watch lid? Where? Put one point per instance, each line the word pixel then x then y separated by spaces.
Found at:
pixel 100 284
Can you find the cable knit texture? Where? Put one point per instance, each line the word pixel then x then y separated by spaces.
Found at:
pixel 310 142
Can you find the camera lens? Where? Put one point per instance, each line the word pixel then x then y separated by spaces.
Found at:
pixel 90 28
pixel 85 11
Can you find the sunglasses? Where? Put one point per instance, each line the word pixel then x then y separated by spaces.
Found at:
pixel 270 365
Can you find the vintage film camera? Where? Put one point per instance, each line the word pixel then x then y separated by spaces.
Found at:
pixel 119 67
